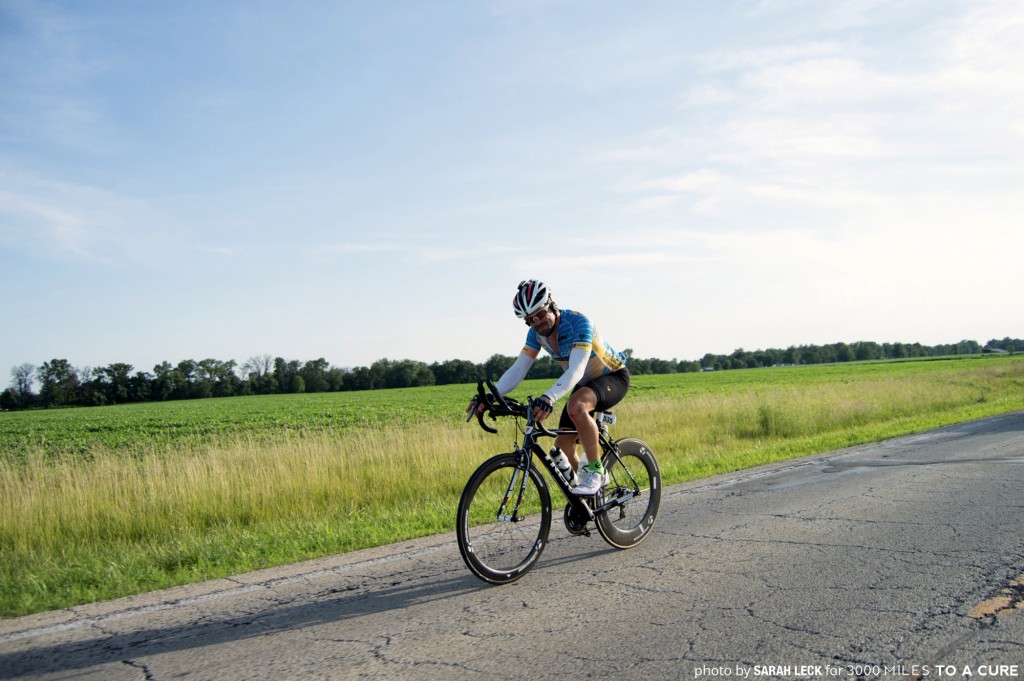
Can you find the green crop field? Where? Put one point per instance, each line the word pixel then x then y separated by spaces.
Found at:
pixel 103 502
pixel 172 426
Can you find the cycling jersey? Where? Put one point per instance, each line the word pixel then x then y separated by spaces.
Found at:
pixel 579 349
pixel 575 330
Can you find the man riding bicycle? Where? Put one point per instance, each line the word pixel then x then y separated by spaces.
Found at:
pixel 595 374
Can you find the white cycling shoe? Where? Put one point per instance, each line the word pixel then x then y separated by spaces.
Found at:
pixel 590 482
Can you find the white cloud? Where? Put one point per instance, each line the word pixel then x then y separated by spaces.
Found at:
pixel 747 59
pixel 63 220
pixel 706 94
pixel 828 84
pixel 700 180
pixel 843 128
pixel 799 138
pixel 354 247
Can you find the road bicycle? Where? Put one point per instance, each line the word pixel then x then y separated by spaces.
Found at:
pixel 505 512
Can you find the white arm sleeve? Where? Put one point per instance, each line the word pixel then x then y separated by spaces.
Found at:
pixel 573 375
pixel 515 374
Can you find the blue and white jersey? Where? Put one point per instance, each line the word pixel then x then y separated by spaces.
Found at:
pixel 575 330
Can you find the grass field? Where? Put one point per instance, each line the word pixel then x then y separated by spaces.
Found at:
pixel 109 501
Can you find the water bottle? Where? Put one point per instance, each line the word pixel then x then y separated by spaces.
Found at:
pixel 563 465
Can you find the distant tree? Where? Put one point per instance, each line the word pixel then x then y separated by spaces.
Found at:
pixel 91 390
pixel 867 350
pixel 895 351
pixel 182 378
pixel 215 378
pixel 359 378
pixel 258 365
pixel 810 354
pixel 1007 345
pixel 844 353
pixel 638 366
pixel 21 385
pixel 228 381
pixel 386 373
pixel 258 372
pixel 663 366
pixel 454 371
pixel 336 379
pixel 140 387
pixel 545 367
pixel 314 375
pixel 63 385
pixel 163 382
pixel 708 361
pixel 688 367
pixel 496 365
pixel 285 373
pixel 408 373
pixel 827 354
pixel 8 401
pixel 59 381
pixel 113 382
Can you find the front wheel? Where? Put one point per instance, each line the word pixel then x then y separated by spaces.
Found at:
pixel 503 519
pixel 631 497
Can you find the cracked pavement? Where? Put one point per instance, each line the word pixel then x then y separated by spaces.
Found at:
pixel 908 552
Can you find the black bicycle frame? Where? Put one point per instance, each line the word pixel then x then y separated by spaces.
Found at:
pixel 531 448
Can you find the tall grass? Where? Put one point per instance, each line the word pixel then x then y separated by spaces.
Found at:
pixel 706 434
pixel 75 528
pixel 72 529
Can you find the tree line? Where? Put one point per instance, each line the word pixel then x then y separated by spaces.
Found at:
pixel 62 385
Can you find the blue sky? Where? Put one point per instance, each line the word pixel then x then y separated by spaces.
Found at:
pixel 359 180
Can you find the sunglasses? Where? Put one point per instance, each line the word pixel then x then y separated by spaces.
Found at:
pixel 535 317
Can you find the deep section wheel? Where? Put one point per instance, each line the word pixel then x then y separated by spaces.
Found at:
pixel 632 495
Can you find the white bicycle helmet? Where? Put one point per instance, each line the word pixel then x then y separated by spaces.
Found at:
pixel 531 297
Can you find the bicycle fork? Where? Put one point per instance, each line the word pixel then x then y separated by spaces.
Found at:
pixel 516 488
pixel 520 478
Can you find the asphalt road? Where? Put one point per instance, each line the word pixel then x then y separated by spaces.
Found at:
pixel 898 560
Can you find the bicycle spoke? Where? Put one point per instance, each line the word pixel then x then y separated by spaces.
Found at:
pixel 504 519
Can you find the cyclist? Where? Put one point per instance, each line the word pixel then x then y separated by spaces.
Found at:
pixel 595 374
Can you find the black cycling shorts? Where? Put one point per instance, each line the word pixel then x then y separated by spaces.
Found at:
pixel 609 388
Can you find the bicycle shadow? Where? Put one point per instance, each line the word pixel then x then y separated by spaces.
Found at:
pixel 335 604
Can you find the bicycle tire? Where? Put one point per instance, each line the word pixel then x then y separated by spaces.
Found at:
pixel 634 472
pixel 499 542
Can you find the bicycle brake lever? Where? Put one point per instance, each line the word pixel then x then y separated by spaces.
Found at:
pixel 544 431
pixel 534 422
pixel 482 398
pixel 497 396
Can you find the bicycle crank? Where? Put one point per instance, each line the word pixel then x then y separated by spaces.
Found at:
pixel 576 522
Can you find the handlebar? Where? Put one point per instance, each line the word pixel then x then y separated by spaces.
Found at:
pixel 497 405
